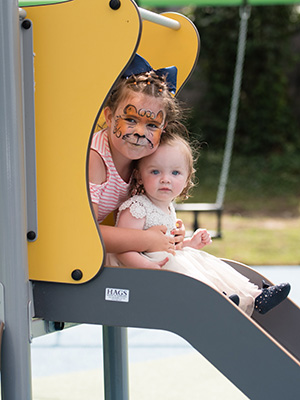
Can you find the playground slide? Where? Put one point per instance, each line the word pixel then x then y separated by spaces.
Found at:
pixel 283 322
pixel 259 355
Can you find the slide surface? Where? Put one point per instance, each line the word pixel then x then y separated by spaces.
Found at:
pixel 258 355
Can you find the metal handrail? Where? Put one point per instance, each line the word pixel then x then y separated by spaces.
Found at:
pixel 159 19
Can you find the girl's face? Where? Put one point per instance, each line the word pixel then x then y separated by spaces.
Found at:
pixel 164 174
pixel 136 127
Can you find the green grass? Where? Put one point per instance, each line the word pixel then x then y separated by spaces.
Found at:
pixel 261 220
pixel 259 241
pixel 257 185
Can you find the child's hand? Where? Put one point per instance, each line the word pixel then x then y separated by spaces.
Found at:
pixel 158 240
pixel 179 234
pixel 157 264
pixel 199 239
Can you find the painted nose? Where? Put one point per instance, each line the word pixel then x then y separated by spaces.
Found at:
pixel 139 138
pixel 142 140
pixel 140 130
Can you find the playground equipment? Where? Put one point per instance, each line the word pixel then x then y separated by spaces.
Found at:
pixel 72 76
pixel 65 254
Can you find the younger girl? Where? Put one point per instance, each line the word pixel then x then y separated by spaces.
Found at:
pixel 160 178
pixel 137 111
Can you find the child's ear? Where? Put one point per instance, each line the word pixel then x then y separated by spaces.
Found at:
pixel 108 115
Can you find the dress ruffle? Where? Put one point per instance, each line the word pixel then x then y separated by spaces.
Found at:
pixel 212 271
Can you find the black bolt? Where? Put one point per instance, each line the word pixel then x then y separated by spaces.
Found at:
pixel 26 24
pixel 115 4
pixel 77 274
pixel 31 235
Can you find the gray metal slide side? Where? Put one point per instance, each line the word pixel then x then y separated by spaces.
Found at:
pixel 236 345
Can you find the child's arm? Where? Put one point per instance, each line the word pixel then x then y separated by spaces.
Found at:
pixel 97 168
pixel 136 260
pixel 120 240
pixel 199 239
pixel 133 258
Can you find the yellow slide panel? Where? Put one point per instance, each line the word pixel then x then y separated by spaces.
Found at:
pixel 164 47
pixel 80 49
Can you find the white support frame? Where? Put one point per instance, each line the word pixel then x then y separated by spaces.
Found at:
pixel 159 19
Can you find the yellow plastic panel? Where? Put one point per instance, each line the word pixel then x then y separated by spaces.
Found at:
pixel 163 47
pixel 80 49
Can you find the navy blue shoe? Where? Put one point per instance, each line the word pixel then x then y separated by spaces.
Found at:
pixel 271 296
pixel 265 284
pixel 235 298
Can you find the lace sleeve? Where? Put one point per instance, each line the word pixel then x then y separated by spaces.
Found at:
pixel 136 207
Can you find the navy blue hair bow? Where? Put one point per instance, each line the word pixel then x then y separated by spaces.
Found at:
pixel 139 65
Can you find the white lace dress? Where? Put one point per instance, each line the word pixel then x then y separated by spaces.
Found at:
pixel 188 261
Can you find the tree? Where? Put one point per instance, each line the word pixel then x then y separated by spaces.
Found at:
pixel 267 121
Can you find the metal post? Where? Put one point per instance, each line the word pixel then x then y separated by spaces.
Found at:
pixel 115 358
pixel 245 12
pixel 16 365
pixel 159 19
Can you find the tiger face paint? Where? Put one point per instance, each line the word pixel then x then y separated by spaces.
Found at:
pixel 135 128
pixel 139 127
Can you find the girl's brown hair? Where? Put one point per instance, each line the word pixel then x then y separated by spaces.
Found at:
pixel 150 84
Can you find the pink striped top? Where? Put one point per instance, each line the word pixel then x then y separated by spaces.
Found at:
pixel 110 194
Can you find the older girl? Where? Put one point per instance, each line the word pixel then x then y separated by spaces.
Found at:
pixel 136 114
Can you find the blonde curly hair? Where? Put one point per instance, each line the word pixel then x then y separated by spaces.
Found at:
pixel 172 135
